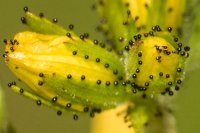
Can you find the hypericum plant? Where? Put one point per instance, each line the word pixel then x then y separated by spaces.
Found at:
pixel 142 64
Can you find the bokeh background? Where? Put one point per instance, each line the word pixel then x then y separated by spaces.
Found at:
pixel 26 117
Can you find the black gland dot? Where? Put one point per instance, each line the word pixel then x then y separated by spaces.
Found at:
pixel 41 15
pixel 55 20
pixel 92 114
pixel 54 99
pixel 131 42
pixel 82 37
pixel 146 83
pixel 179 81
pixel 124 83
pixel 23 19
pixel 5 41
pixel 161 74
pixel 140 54
pixel 95 42
pixel 69 76
pixel 106 65
pixel 171 93
pixel 9 84
pixel 107 83
pixel 134 91
pixel 40 83
pixel 97 60
pixel 86 35
pixel 86 57
pixel 116 83
pixel 144 96
pixel 167 76
pixel 151 76
pixel 83 77
pixel 179 70
pixel 169 83
pixel 134 76
pixel 140 62
pixel 41 75
pixel 98 82
pixel 59 112
pixel 187 48
pixel 75 117
pixel 169 29
pixel 115 72
pixel 74 52
pixel 120 78
pixel 68 34
pixel 177 88
pixel 38 102
pixel 175 39
pixel 137 70
pixel 86 109
pixel 68 105
pixel 127 48
pixel 145 34
pixel 121 39
pixel 26 9
pixel 21 90
pixel 71 26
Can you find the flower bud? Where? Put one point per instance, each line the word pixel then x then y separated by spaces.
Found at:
pixel 155 63
pixel 67 71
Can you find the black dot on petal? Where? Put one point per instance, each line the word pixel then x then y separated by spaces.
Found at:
pixel 177 88
pixel 134 76
pixel 83 77
pixel 97 60
pixel 116 83
pixel 179 70
pixel 139 54
pixel 86 56
pixel 169 29
pixel 68 34
pixel 107 83
pixel 175 39
pixel 98 82
pixel 106 65
pixel 68 105
pixel 167 76
pixel 170 83
pixel 40 83
pixel 161 74
pixel 140 62
pixel 151 76
pixel 41 75
pixel 69 76
pixel 146 83
pixel 74 52
pixel 179 81
pixel 54 99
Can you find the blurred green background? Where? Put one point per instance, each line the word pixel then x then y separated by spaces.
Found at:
pixel 26 117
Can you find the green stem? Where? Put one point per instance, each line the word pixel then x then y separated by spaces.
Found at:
pixel 2 112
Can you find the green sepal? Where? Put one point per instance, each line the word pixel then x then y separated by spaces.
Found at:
pixel 42 25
